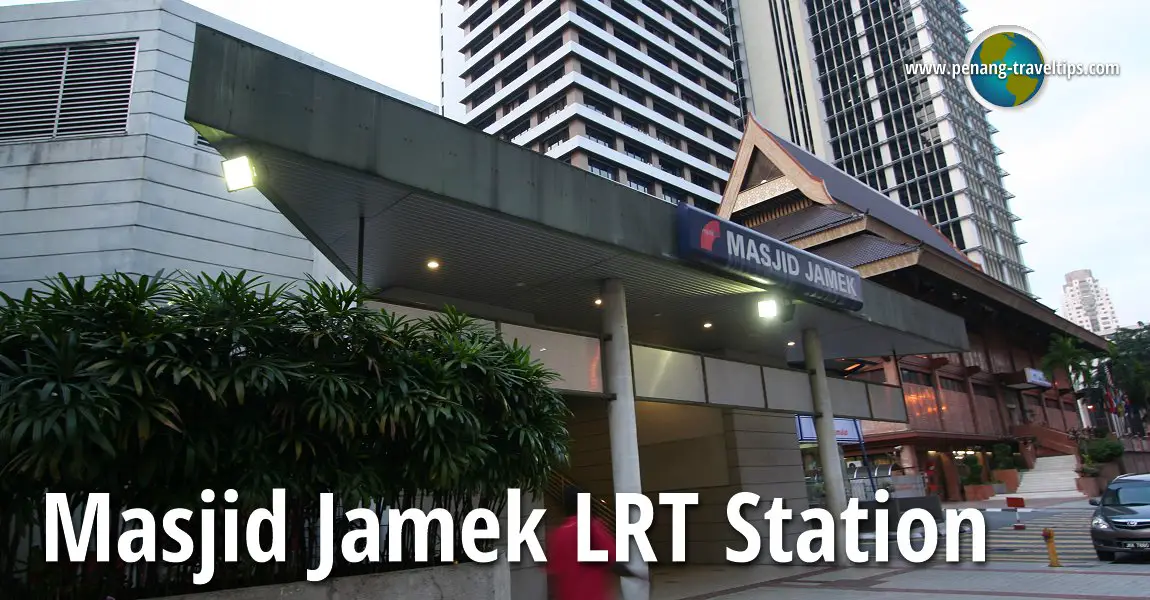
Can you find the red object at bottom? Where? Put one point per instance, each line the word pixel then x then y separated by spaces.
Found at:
pixel 574 580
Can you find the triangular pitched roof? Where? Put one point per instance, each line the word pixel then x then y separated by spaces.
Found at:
pixel 822 182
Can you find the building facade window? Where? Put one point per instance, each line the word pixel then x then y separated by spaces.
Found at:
pixel 952 385
pixel 916 377
pixel 640 56
pixel 638 184
pixel 66 90
pixel 603 170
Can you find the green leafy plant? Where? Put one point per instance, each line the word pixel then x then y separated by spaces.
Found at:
pixel 1104 450
pixel 1088 469
pixel 1065 355
pixel 973 470
pixel 1003 455
pixel 153 389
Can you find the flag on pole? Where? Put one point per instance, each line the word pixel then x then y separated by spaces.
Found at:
pixel 1111 400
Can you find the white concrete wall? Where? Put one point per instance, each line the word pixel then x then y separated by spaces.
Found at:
pixel 151 199
pixel 715 452
pixel 769 100
pixel 451 37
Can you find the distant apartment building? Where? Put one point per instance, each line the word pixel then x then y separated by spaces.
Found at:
pixel 921 140
pixel 1086 303
pixel 100 172
pixel 640 92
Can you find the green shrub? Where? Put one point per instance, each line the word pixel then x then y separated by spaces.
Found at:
pixel 973 470
pixel 155 389
pixel 1104 450
pixel 1089 470
pixel 1003 456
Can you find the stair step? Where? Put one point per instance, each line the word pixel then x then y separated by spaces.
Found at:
pixel 1051 477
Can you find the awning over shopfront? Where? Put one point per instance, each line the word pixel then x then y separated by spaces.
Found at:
pixel 1026 379
pixel 383 187
pixel 847 431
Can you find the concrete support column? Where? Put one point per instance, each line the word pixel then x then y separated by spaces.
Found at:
pixel 908 459
pixel 621 420
pixel 830 455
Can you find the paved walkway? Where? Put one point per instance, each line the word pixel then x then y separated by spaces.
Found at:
pixel 940 582
pixel 1017 569
pixel 1031 504
pixel 1071 539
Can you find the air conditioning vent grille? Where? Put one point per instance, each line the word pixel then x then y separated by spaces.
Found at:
pixel 71 90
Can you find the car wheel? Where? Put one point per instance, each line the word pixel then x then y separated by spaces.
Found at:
pixel 1105 556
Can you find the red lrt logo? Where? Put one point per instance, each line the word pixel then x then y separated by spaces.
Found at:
pixel 708 236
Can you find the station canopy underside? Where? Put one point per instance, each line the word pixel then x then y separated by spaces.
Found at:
pixel 519 237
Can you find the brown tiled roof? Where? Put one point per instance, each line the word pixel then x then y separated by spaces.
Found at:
pixel 807 221
pixel 858 195
pixel 862 249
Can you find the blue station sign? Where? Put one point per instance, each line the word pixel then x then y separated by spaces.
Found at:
pixel 705 238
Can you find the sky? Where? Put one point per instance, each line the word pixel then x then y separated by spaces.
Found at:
pixel 1073 153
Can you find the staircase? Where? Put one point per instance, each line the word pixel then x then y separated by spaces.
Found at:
pixel 1051 442
pixel 1051 477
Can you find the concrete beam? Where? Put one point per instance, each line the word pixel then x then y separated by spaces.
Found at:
pixel 237 89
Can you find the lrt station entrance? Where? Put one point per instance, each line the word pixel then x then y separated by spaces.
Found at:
pixel 676 334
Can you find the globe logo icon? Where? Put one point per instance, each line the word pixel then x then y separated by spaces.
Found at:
pixel 1006 67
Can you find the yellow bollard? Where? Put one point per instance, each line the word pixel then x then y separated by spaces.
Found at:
pixel 1048 535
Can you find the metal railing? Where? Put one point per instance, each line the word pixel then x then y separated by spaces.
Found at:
pixel 599 507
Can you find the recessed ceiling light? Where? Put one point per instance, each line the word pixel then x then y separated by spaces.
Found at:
pixel 790 343
pixel 598 302
pixel 542 349
pixel 707 325
pixel 433 264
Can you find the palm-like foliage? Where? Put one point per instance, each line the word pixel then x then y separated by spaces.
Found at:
pixel 1065 355
pixel 154 389
pixel 1129 360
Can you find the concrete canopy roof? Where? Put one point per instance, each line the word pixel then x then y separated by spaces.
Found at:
pixel 521 237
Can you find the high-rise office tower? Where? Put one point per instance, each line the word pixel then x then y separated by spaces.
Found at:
pixel 1086 303
pixel 922 140
pixel 779 80
pixel 642 92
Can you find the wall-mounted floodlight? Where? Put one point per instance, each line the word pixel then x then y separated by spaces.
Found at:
pixel 776 307
pixel 768 309
pixel 239 174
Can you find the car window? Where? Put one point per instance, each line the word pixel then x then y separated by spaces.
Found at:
pixel 1127 495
